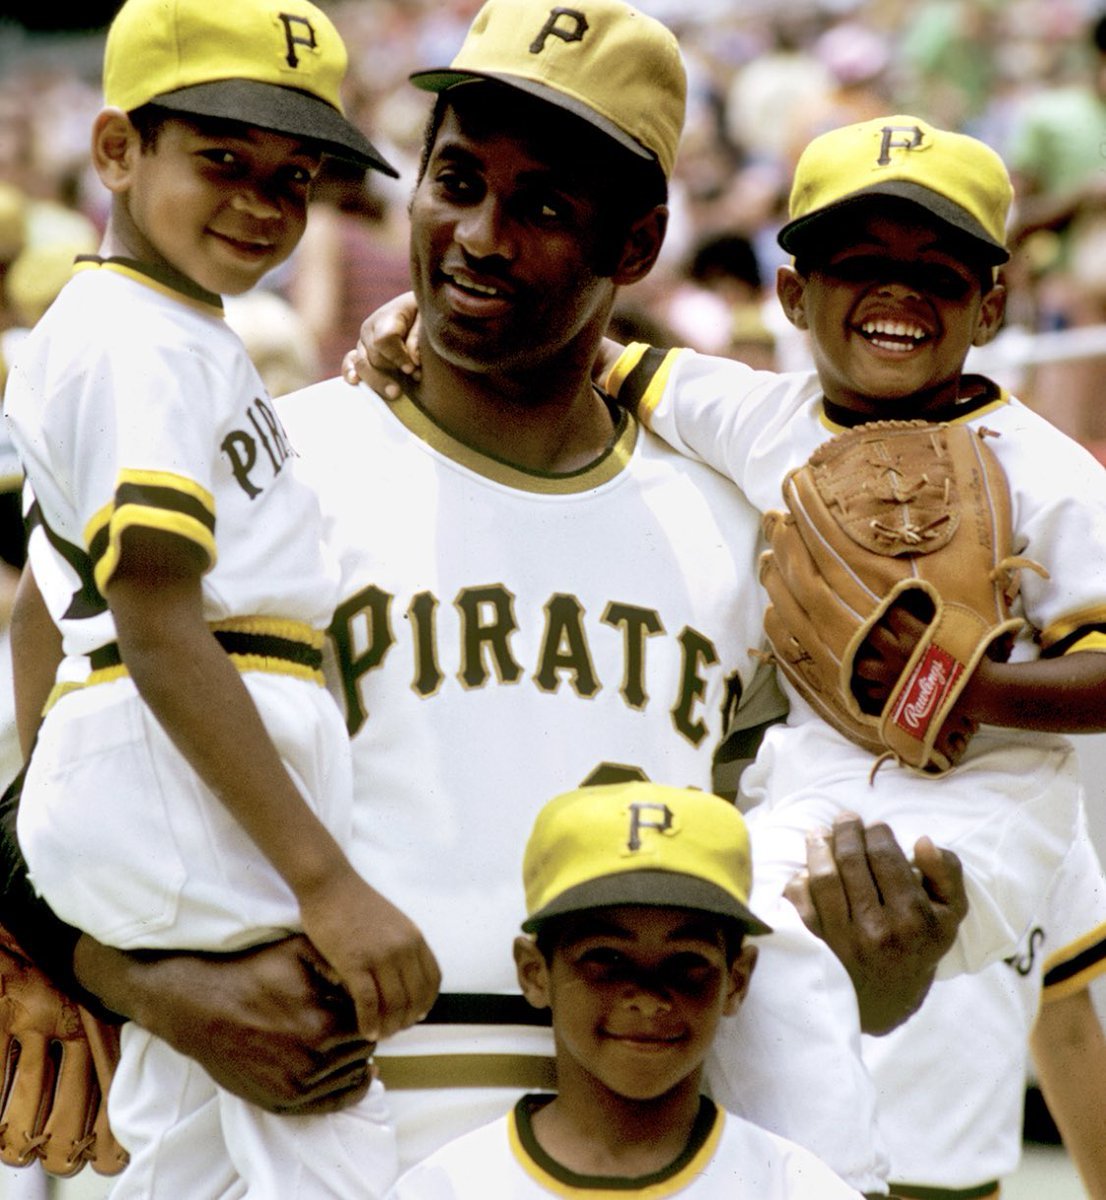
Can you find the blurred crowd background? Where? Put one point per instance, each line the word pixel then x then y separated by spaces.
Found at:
pixel 1026 76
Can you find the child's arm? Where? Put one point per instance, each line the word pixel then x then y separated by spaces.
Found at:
pixel 1064 694
pixel 36 653
pixel 1069 1051
pixel 198 696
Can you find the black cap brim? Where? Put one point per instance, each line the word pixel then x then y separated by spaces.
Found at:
pixel 667 888
pixel 282 110
pixel 797 235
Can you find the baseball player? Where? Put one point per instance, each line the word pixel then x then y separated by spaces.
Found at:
pixel 536 592
pixel 955 1129
pixel 896 229
pixel 637 903
pixel 183 563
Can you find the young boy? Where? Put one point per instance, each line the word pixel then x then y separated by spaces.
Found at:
pixel 190 785
pixel 896 231
pixel 637 913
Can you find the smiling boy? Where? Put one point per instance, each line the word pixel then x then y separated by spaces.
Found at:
pixel 896 231
pixel 191 784
pixel 637 901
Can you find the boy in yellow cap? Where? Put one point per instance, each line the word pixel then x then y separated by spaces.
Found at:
pixel 896 232
pixel 637 901
pixel 190 786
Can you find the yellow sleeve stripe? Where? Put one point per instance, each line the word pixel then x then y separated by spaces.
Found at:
pixel 1095 640
pixel 1072 624
pixel 637 380
pixel 1070 970
pixel 150 500
pixel 624 365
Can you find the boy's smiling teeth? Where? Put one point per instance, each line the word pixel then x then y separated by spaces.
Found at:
pixel 880 334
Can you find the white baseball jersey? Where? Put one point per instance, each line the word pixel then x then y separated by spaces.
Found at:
pixel 505 636
pixel 726 1159
pixel 951 1080
pixel 134 406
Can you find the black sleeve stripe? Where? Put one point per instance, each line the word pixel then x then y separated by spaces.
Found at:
pixel 636 384
pixel 163 499
pixel 1085 960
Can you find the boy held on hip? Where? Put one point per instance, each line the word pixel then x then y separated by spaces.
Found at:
pixel 190 786
pixel 896 231
pixel 637 898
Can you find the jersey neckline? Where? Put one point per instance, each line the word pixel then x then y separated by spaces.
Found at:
pixel 701 1145
pixel 602 469
pixel 977 393
pixel 161 278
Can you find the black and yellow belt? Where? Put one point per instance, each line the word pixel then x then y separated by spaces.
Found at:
pixel 407 1072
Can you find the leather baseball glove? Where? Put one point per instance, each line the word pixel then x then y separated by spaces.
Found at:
pixel 892 512
pixel 58 1061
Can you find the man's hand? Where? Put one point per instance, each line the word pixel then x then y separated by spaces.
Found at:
pixel 387 350
pixel 266 1024
pixel 887 920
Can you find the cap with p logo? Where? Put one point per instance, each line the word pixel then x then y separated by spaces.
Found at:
pixel 272 64
pixel 638 843
pixel 602 60
pixel 954 177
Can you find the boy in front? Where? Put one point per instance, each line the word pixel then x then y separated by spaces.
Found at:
pixel 637 902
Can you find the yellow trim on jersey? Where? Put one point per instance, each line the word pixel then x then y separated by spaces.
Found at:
pixel 1077 963
pixel 1072 623
pixel 607 466
pixel 159 500
pixel 651 396
pixel 623 365
pixel 138 275
pixel 297 632
pixel 1000 401
pixel 1095 640
pixel 415 1072
pixel 654 1191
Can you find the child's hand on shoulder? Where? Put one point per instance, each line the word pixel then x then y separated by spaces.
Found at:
pixel 387 351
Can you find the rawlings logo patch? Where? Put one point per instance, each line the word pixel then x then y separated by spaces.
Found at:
pixel 931 681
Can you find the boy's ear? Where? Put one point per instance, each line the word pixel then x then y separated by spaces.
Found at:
pixel 991 311
pixel 642 246
pixel 791 290
pixel 741 973
pixel 115 148
pixel 533 971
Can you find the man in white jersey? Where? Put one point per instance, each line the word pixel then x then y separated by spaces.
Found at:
pixel 537 593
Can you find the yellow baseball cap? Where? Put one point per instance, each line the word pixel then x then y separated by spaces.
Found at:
pixel 638 843
pixel 608 63
pixel 956 178
pixel 270 64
